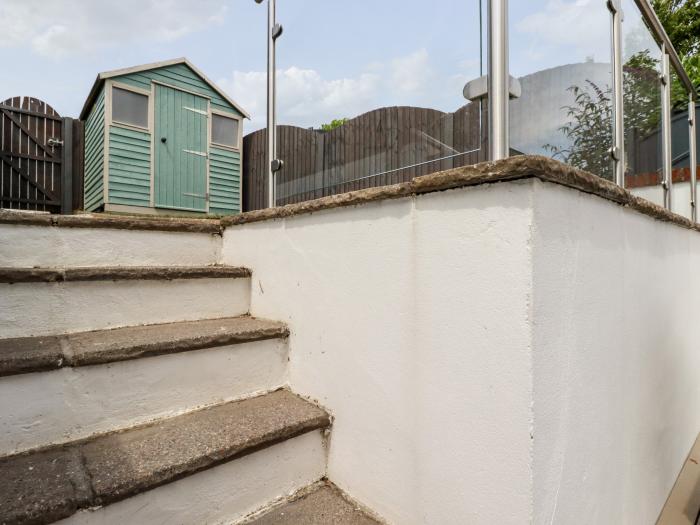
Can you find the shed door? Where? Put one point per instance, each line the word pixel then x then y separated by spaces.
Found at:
pixel 180 150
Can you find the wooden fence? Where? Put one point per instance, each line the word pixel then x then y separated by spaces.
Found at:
pixel 40 157
pixel 384 146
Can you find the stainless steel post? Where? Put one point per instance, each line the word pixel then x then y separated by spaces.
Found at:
pixel 273 164
pixel 617 151
pixel 692 146
pixel 498 79
pixel 666 128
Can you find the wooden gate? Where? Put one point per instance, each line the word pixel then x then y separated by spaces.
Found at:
pixel 33 158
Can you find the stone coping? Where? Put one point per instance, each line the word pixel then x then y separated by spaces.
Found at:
pixel 10 275
pixel 36 354
pixel 119 222
pixel 45 485
pixel 511 169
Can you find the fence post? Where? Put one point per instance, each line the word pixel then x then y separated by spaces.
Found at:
pixel 67 167
pixel 498 79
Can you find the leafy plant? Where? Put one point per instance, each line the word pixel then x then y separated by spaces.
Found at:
pixel 589 128
pixel 335 123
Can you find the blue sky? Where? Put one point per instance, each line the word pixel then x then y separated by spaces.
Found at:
pixel 337 58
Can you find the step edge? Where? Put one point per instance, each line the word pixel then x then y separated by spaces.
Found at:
pixel 86 499
pixel 121 222
pixel 59 353
pixel 16 275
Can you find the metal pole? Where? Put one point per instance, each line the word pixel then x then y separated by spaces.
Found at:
pixel 274 31
pixel 666 129
pixel 617 151
pixel 271 106
pixel 692 146
pixel 498 78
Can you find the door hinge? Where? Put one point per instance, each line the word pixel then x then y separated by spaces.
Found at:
pixel 197 195
pixel 200 153
pixel 200 111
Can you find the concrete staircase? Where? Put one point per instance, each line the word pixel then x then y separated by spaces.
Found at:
pixel 139 390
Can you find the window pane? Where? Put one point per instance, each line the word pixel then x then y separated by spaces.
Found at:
pixel 129 107
pixel 224 131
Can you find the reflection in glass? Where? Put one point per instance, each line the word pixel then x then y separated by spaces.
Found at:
pixel 642 106
pixel 565 109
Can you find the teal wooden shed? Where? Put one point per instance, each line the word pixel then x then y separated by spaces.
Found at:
pixel 162 138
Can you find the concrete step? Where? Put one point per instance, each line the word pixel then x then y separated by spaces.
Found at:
pixel 62 388
pixel 262 448
pixel 50 240
pixel 48 301
pixel 319 504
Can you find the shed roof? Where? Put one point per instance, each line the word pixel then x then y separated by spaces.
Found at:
pixel 101 77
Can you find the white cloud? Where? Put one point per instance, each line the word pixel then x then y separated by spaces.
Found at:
pixel 58 28
pixel 306 99
pixel 581 25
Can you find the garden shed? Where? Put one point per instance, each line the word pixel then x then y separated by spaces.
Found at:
pixel 162 138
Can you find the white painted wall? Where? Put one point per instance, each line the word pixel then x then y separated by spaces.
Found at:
pixel 680 198
pixel 32 309
pixel 409 321
pixel 616 358
pixel 63 405
pixel 29 246
pixel 511 353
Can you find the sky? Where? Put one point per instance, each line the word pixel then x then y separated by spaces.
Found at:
pixel 336 58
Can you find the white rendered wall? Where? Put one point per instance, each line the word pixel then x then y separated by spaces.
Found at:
pixel 512 353
pixel 409 321
pixel 63 405
pixel 680 200
pixel 616 358
pixel 29 246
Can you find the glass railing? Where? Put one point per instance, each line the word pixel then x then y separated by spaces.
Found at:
pixel 368 94
pixel 364 103
pixel 680 147
pixel 641 56
pixel 560 54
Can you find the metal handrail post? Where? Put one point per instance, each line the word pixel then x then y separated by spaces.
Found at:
pixel 692 147
pixel 274 31
pixel 617 151
pixel 498 79
pixel 666 128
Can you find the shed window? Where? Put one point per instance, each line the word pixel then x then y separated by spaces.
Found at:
pixel 224 131
pixel 129 107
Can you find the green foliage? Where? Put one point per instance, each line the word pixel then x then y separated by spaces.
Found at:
pixel 589 129
pixel 335 123
pixel 681 20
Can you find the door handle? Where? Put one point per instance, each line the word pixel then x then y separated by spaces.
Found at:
pixel 163 140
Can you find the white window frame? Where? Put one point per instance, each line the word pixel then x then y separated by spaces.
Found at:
pixel 239 139
pixel 144 92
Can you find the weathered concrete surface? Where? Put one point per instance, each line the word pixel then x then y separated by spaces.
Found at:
pixel 34 354
pixel 325 505
pixel 513 168
pixel 121 273
pixel 115 222
pixel 44 486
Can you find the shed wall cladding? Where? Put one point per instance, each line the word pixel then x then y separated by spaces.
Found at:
pixel 179 76
pixel 129 166
pixel 130 155
pixel 94 155
pixel 225 190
